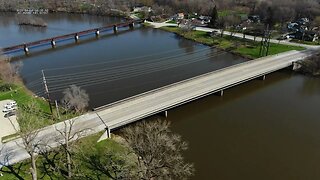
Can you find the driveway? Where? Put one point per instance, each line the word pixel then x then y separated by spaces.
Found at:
pixel 8 125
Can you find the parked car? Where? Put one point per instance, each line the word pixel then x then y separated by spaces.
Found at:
pixel 283 37
pixel 10 104
pixel 9 114
pixel 8 109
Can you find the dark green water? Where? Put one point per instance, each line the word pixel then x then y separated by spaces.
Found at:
pixel 259 130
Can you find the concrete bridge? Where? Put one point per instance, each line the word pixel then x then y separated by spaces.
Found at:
pixel 160 100
pixel 76 36
pixel 121 113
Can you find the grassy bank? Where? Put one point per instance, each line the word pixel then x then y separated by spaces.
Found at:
pixel 22 96
pixel 243 47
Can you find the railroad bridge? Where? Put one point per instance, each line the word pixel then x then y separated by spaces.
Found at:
pixel 75 36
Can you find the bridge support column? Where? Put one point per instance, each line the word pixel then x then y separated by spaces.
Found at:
pixel 115 29
pixel 131 25
pixel 263 77
pixel 97 32
pixel 26 49
pixel 53 43
pixel 105 135
pixel 220 93
pixel 165 114
pixel 76 38
pixel 296 66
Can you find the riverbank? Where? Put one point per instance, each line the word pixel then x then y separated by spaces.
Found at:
pixel 310 66
pixel 242 47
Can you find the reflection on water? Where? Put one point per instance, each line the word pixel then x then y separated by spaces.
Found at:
pixel 31 29
pixel 311 86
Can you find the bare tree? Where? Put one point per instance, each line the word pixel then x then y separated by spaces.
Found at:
pixel 9 72
pixel 68 134
pixel 159 151
pixel 30 120
pixel 75 99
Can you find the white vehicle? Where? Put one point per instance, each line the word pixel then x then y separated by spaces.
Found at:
pixel 9 109
pixel 10 104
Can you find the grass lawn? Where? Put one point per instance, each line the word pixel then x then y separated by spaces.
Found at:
pixel 22 96
pixel 85 145
pixel 244 47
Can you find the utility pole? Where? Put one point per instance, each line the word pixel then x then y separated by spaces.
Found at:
pixel 57 108
pixel 46 90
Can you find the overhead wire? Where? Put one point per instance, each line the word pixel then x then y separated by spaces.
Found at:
pixel 123 73
pixel 104 80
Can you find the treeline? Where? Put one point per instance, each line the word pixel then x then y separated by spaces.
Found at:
pixel 283 10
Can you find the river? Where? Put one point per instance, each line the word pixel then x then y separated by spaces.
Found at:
pixel 258 130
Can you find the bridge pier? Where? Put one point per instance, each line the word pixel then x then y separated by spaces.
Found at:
pixel 115 29
pixel 76 38
pixel 105 135
pixel 97 32
pixel 53 43
pixel 165 114
pixel 263 77
pixel 220 93
pixel 26 49
pixel 131 25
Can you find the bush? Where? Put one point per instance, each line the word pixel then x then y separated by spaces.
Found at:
pixel 5 87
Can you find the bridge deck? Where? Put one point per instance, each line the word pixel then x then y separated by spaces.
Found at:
pixel 135 108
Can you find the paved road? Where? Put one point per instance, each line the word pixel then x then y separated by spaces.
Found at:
pixel 8 125
pixel 135 108
pixel 240 35
pixel 159 25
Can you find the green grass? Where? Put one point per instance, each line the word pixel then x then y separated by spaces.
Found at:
pixel 244 47
pixel 85 144
pixel 22 96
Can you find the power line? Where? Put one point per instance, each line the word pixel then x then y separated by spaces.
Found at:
pixel 118 70
pixel 126 73
pixel 126 65
pixel 120 60
pixel 104 80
